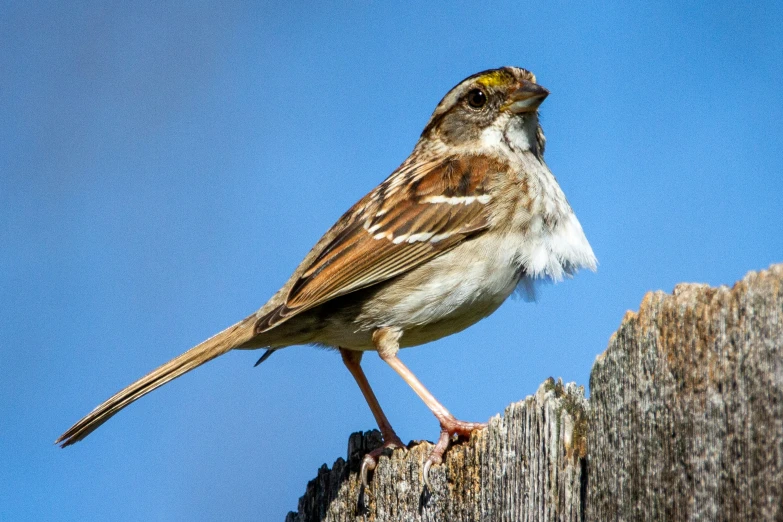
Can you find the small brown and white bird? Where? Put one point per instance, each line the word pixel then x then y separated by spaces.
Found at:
pixel 472 213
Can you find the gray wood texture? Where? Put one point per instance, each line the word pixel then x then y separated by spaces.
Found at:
pixel 687 407
pixel 685 422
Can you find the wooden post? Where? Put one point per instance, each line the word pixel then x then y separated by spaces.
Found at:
pixel 685 422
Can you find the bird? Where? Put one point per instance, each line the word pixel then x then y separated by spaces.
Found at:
pixel 471 215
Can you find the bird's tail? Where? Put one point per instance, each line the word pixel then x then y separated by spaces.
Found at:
pixel 216 345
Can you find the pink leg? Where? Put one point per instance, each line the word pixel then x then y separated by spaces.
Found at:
pixel 386 341
pixel 352 361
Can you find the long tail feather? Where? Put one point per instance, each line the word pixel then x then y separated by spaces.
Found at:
pixel 215 346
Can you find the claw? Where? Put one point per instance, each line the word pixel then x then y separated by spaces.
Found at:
pixel 370 460
pixel 368 464
pixel 426 473
pixel 449 427
pixel 436 455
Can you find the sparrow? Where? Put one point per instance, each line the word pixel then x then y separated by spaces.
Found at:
pixel 473 213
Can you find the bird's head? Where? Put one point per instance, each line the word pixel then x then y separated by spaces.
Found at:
pixel 498 107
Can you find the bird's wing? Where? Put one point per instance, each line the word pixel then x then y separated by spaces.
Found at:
pixel 422 210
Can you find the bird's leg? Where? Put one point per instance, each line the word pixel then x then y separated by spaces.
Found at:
pixel 386 341
pixel 352 360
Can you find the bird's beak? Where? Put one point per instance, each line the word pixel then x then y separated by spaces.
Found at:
pixel 526 99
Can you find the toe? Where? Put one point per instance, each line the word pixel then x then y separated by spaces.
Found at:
pixel 436 455
pixel 449 427
pixel 370 461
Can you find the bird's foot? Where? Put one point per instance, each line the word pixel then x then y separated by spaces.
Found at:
pixel 450 428
pixel 370 461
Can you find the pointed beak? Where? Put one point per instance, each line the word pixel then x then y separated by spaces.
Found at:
pixel 526 99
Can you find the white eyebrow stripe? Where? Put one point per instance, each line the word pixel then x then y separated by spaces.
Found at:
pixel 458 200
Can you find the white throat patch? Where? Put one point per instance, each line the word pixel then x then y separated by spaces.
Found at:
pixel 510 132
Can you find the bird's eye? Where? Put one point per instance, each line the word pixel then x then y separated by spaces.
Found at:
pixel 477 99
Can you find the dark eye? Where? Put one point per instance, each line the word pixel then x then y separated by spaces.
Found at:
pixel 477 99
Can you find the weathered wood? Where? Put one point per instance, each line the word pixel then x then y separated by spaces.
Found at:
pixel 527 465
pixel 685 423
pixel 687 407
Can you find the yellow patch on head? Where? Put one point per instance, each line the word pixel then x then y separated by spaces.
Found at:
pixel 504 77
pixel 495 79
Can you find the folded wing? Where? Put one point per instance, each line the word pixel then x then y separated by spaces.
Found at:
pixel 422 210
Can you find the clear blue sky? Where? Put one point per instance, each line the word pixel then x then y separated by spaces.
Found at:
pixel 163 169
